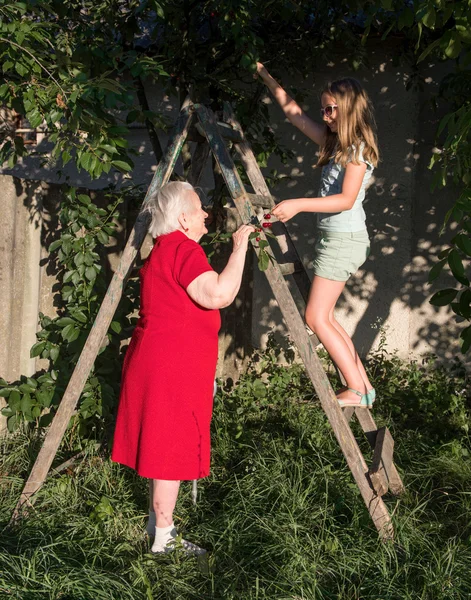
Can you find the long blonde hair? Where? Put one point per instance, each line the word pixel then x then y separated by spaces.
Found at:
pixel 356 126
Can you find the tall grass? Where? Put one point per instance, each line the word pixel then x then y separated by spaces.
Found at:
pixel 280 514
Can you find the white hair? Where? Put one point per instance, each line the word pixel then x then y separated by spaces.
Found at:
pixel 166 205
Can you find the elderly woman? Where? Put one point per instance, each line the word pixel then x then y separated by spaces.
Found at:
pixel 163 424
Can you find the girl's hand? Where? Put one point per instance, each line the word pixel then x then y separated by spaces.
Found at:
pixel 261 71
pixel 285 210
pixel 240 238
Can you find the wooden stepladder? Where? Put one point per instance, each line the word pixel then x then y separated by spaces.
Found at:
pixel 198 123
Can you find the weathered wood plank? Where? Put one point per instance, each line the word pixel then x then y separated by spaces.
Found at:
pixel 382 460
pixel 102 322
pixel 367 423
pixel 295 323
pixel 288 249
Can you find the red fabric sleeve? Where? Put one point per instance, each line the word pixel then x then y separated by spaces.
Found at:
pixel 190 263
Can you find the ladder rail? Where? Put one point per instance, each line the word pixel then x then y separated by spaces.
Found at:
pixel 348 444
pixel 102 322
pixel 385 472
pixel 247 157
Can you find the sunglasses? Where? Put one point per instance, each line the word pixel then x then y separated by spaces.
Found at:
pixel 328 110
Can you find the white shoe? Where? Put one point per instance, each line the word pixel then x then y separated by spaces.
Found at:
pixel 173 542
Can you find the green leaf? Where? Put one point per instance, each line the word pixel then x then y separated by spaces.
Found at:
pixel 103 237
pixel 465 336
pixel 54 353
pixel 443 297
pixel 116 326
pixel 464 305
pixel 463 242
pixel 68 332
pixel 454 46
pixel 259 389
pixel 66 157
pixel 36 412
pixel 63 321
pixel 14 400
pixel 108 148
pixel 429 49
pixel 80 316
pixel 429 18
pixel 121 165
pixel 21 69
pixel 90 273
pixel 36 349
pixel 12 423
pixel 55 245
pixel 25 404
pixel 263 260
pixel 79 259
pixel 457 268
pixel 32 382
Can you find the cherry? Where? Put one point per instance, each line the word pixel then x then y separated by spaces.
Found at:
pixel 267 224
pixel 267 216
pixel 257 239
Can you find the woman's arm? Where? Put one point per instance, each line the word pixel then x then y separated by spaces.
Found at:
pixel 315 131
pixel 218 291
pixel 287 209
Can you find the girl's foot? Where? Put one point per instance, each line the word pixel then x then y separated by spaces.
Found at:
pixel 351 397
pixel 371 395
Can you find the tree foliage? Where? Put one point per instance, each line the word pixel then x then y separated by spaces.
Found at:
pixel 79 70
pixel 443 30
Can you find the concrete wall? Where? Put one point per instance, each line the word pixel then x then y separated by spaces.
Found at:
pixel 403 219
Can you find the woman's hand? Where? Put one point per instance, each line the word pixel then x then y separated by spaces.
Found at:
pixel 240 238
pixel 286 210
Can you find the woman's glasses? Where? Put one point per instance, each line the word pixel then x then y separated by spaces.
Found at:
pixel 328 110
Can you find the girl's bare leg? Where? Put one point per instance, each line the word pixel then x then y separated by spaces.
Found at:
pixel 349 342
pixel 323 296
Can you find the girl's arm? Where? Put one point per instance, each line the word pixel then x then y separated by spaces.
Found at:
pixel 292 110
pixel 351 186
pixel 211 290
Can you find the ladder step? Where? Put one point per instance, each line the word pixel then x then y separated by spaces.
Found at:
pixel 225 130
pixel 290 268
pixel 382 461
pixel 261 201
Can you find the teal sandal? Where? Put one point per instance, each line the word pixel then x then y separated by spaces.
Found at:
pixel 364 402
pixel 371 395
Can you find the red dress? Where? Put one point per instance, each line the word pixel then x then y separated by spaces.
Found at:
pixel 166 400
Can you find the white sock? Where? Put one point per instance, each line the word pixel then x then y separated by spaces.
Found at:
pixel 163 535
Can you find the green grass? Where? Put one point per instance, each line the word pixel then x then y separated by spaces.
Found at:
pixel 280 513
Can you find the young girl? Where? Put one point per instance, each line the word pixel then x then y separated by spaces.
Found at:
pixel 348 154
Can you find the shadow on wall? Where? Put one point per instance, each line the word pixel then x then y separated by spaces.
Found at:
pixel 403 217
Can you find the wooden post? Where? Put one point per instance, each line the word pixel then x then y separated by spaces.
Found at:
pixel 100 327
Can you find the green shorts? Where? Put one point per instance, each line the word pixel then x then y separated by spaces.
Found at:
pixel 339 255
